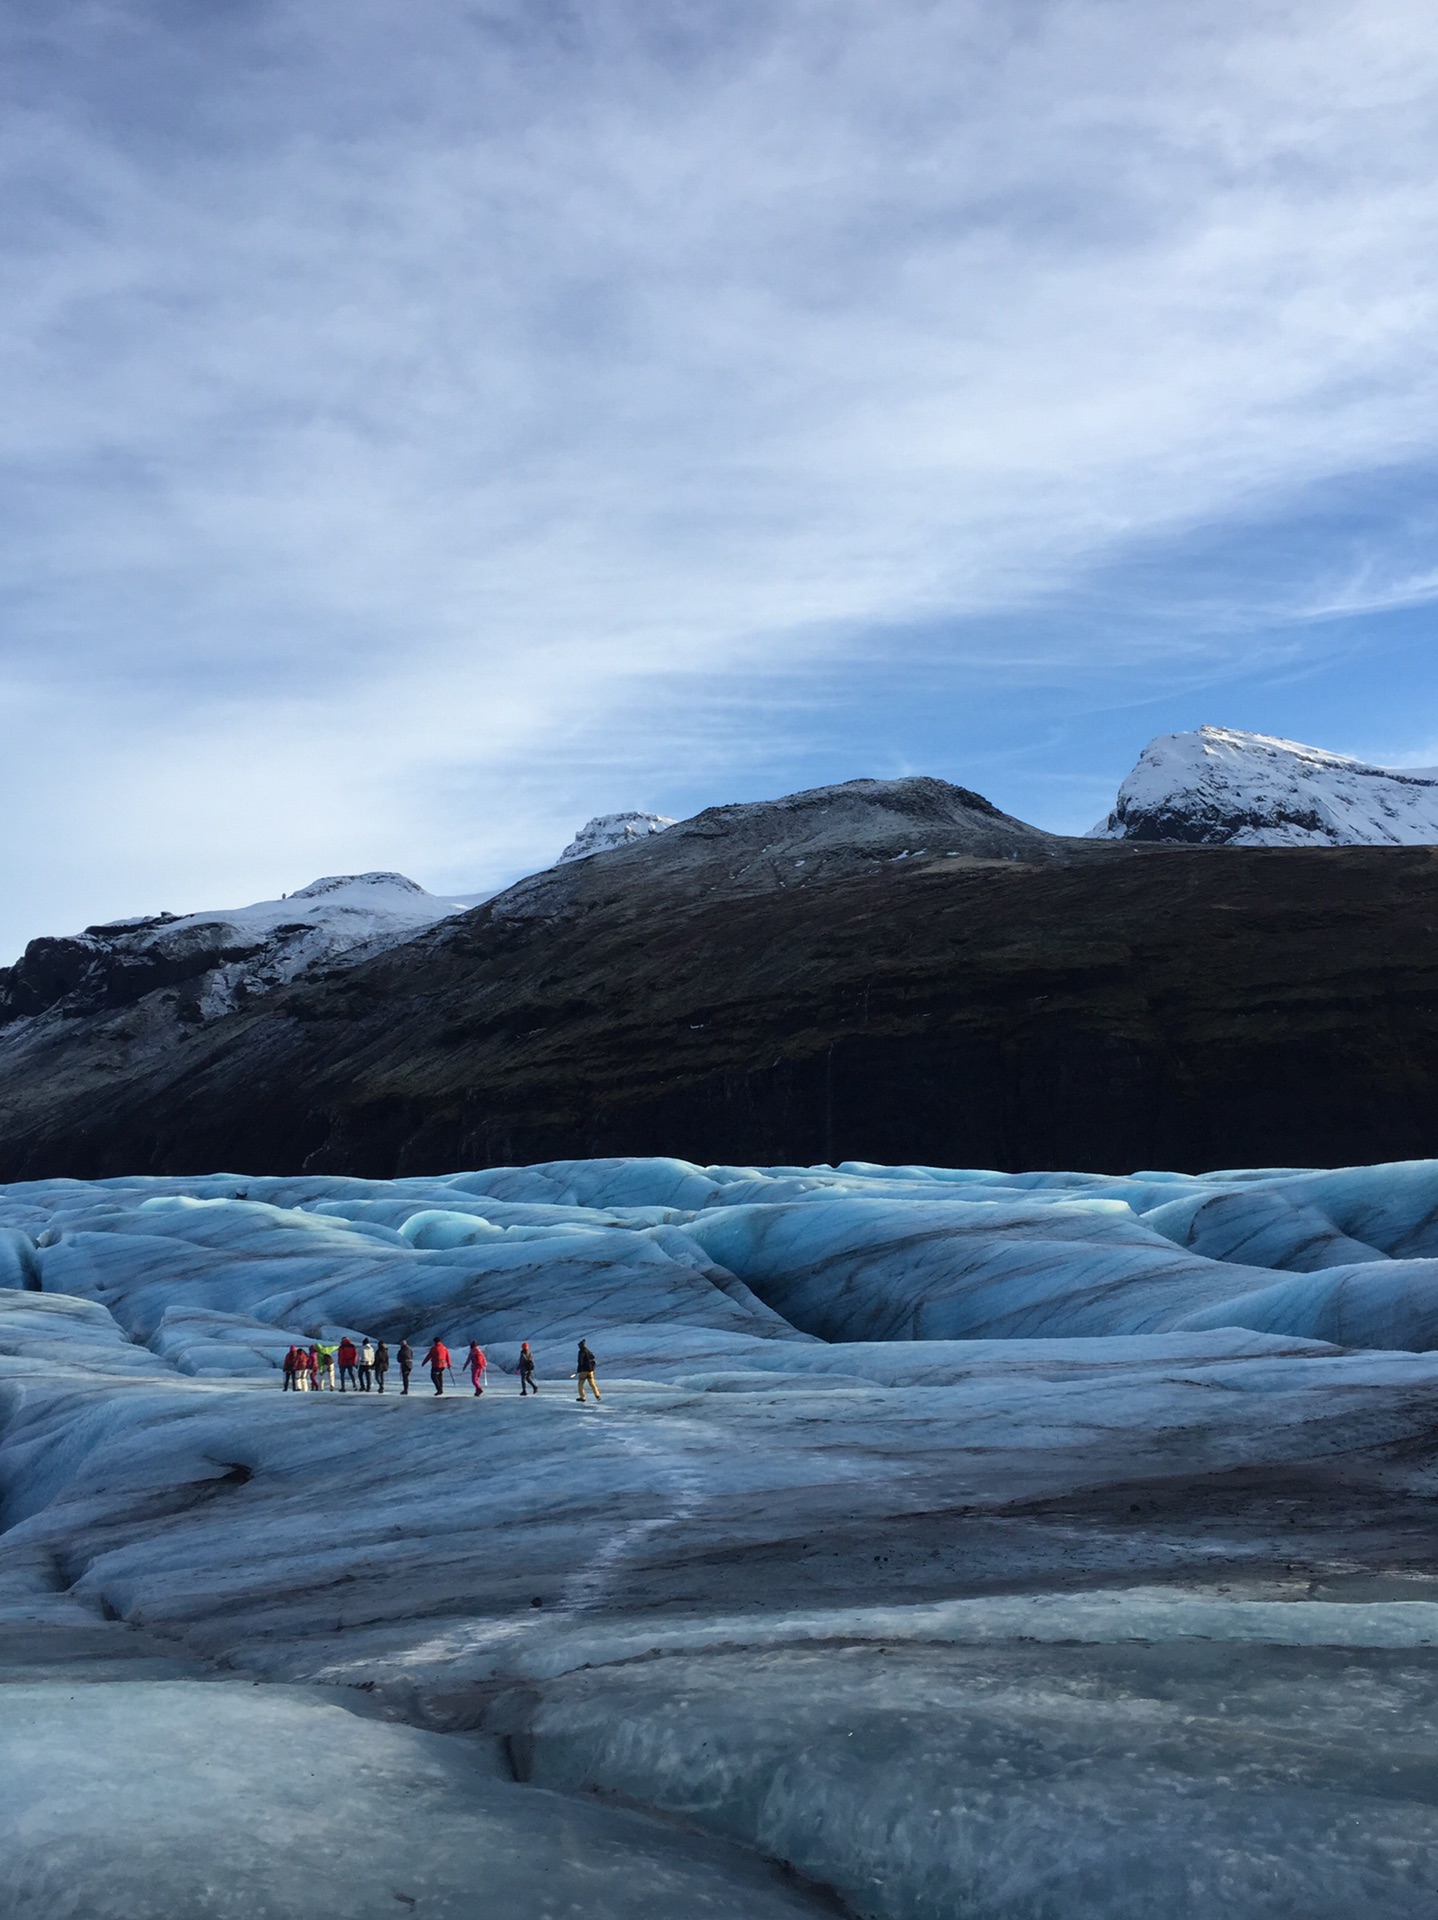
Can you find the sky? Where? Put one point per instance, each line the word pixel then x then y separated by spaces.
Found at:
pixel 426 426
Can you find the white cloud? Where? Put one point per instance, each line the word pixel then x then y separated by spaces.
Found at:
pixel 439 419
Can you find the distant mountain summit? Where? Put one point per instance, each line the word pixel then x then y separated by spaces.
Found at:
pixel 609 830
pixel 1219 787
pixel 759 846
pixel 214 961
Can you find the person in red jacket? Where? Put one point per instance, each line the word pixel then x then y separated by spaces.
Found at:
pixel 437 1360
pixel 476 1363
pixel 290 1366
pixel 348 1357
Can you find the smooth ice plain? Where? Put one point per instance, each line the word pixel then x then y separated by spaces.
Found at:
pixel 947 1543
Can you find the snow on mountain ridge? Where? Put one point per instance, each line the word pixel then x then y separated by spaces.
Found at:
pixel 218 958
pixel 1219 786
pixel 387 899
pixel 346 882
pixel 609 830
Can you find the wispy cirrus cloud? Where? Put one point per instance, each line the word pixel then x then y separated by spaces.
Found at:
pixel 431 424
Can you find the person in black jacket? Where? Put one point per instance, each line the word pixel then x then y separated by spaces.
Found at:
pixel 405 1356
pixel 526 1371
pixel 585 1369
pixel 381 1365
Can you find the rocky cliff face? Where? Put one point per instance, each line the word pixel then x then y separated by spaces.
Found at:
pixel 1217 787
pixel 881 971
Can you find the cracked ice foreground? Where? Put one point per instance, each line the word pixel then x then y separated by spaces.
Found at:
pixel 1042 1545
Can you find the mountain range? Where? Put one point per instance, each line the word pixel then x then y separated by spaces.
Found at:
pixel 1237 965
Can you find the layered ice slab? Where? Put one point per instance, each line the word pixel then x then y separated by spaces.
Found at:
pixel 945 1542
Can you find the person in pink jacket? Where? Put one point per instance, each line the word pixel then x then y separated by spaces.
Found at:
pixel 476 1363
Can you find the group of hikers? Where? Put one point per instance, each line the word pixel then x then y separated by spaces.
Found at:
pixel 363 1368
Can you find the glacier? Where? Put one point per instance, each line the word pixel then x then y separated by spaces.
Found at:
pixel 1219 786
pixel 357 1819
pixel 947 1541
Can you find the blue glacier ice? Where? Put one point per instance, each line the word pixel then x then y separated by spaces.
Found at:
pixel 1008 1545
pixel 856 1252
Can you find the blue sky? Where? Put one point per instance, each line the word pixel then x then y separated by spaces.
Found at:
pixel 428 426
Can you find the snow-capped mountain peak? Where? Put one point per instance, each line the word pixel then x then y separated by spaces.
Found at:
pixel 1217 786
pixel 219 958
pixel 362 885
pixel 351 905
pixel 609 830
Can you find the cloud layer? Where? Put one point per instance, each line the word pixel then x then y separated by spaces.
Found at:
pixel 435 423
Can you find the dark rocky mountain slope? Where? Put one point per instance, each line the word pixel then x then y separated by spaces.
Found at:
pixel 888 971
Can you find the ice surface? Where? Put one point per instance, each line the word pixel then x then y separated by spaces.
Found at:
pixel 1016 1545
pixel 258 1803
pixel 844 1254
pixel 51 1329
pixel 1258 1229
pixel 1248 790
pixel 1109 1784
pixel 1391 1303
